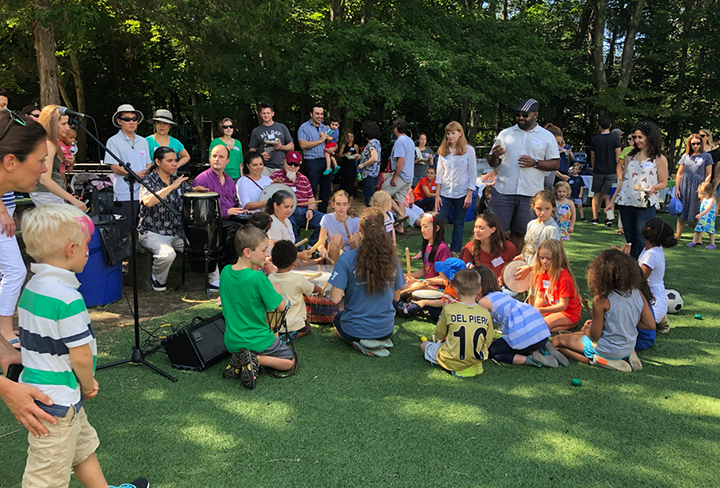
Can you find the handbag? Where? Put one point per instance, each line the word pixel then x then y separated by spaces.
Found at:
pixel 676 206
pixel 384 175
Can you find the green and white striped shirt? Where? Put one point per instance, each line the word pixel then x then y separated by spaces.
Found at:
pixel 53 318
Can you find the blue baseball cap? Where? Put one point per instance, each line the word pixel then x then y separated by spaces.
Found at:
pixel 450 266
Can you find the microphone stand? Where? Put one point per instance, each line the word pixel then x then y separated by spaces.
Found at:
pixel 138 355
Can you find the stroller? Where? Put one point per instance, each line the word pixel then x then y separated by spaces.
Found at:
pixel 96 192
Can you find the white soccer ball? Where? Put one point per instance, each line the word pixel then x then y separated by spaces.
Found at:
pixel 675 301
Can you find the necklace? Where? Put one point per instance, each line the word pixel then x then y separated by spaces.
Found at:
pixel 129 141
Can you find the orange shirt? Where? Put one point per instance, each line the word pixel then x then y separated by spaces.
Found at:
pixel 418 191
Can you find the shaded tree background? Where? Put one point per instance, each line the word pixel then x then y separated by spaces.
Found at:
pixel 430 61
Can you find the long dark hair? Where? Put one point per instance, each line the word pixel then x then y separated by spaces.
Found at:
pixel 19 140
pixel 497 238
pixel 376 259
pixel 276 199
pixel 370 130
pixel 249 158
pixel 654 139
pixel 438 235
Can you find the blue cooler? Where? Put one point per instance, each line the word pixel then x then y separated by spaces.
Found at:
pixel 100 284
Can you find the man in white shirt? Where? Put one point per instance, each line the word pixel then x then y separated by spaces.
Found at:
pixel 134 151
pixel 522 154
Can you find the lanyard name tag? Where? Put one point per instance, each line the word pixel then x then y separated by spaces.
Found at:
pixel 497 261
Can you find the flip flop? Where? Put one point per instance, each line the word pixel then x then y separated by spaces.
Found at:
pixel 375 344
pixel 560 357
pixel 15 343
pixel 379 353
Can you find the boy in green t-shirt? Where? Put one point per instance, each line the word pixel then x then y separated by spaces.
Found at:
pixel 246 295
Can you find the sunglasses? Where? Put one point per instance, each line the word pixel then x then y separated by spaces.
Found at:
pixel 128 119
pixel 34 115
pixel 696 143
pixel 524 115
pixel 13 118
pixel 228 127
pixel 703 136
pixel 297 165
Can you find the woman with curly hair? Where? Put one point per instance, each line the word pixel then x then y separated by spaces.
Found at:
pixel 641 176
pixel 694 168
pixel 370 278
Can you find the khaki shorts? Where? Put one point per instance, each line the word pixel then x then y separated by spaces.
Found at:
pixel 398 192
pixel 51 459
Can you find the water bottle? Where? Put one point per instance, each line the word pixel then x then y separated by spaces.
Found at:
pixel 359 176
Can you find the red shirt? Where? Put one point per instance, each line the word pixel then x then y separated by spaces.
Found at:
pixel 495 263
pixel 301 186
pixel 564 288
pixel 418 192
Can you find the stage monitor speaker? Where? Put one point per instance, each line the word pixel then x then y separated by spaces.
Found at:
pixel 198 345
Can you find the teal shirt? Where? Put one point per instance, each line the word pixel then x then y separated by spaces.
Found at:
pixel 174 144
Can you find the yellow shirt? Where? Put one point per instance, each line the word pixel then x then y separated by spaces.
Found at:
pixel 468 331
pixel 294 286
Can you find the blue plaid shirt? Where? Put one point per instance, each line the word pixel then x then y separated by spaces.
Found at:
pixel 308 132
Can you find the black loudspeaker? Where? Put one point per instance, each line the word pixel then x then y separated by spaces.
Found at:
pixel 198 345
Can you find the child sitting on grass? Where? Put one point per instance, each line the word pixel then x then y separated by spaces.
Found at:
pixel 294 286
pixel 383 201
pixel 465 329
pixel 59 348
pixel 525 333
pixel 434 307
pixel 247 335
pixel 619 308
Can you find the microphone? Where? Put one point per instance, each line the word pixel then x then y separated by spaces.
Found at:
pixel 67 111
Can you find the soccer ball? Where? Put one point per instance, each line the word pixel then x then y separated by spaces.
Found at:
pixel 675 301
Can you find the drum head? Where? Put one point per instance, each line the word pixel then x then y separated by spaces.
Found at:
pixel 201 194
pixel 427 294
pixel 512 283
pixel 272 188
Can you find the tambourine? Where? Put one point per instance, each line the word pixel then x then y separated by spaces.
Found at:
pixel 272 188
pixel 511 283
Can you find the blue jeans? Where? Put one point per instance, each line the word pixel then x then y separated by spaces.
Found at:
pixel 369 184
pixel 315 168
pixel 298 221
pixel 458 220
pixel 633 219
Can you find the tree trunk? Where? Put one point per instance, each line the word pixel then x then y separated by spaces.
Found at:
pixel 198 125
pixel 367 11
pixel 598 44
pixel 610 59
pixel 680 90
pixel 336 10
pixel 80 97
pixel 62 85
pixel 45 52
pixel 473 123
pixel 464 114
pixel 628 56
pixel 583 25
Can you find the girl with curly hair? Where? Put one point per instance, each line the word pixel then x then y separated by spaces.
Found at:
pixel 641 176
pixel 369 278
pixel 619 309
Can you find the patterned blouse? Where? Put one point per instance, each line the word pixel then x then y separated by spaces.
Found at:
pixel 158 219
pixel 639 175
pixel 373 169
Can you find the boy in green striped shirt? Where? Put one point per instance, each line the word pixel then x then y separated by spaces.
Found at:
pixel 59 349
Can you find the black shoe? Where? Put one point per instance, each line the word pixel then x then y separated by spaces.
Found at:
pixel 595 221
pixel 157 286
pixel 138 483
pixel 248 365
pixel 608 223
pixel 583 219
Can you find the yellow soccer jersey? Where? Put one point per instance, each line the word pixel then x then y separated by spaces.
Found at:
pixel 468 331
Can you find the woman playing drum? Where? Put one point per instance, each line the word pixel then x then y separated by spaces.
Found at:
pixel 160 231
pixel 252 183
pixel 370 279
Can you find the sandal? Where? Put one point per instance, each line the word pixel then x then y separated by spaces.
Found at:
pixel 375 344
pixel 15 343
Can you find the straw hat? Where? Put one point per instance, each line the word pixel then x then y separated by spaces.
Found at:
pixel 126 107
pixel 162 115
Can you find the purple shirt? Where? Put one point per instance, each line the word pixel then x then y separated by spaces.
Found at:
pixel 228 192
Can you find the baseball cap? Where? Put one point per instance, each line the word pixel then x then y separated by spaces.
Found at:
pixel 528 105
pixel 617 132
pixel 293 157
pixel 450 266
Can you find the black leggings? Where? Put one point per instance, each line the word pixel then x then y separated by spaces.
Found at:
pixel 499 350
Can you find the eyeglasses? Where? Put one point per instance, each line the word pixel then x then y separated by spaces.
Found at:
pixel 696 143
pixel 34 115
pixel 297 165
pixel 228 127
pixel 128 119
pixel 13 118
pixel 524 115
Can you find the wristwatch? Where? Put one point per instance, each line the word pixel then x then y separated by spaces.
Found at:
pixel 536 164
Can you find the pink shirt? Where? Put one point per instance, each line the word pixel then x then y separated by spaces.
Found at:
pixel 301 186
pixel 442 253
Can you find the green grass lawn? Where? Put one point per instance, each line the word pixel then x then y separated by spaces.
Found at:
pixel 350 420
